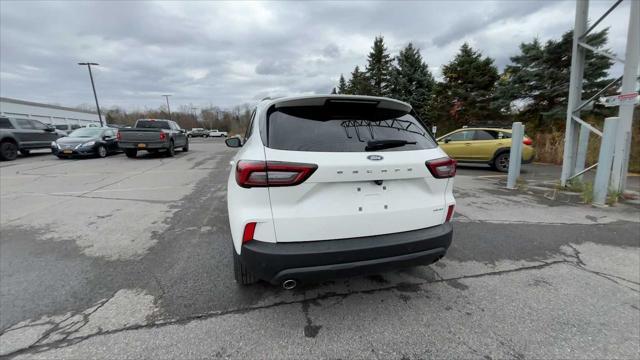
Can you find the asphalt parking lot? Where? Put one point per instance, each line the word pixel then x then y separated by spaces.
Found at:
pixel 119 258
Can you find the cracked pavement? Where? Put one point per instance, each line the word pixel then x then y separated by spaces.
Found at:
pixel 115 258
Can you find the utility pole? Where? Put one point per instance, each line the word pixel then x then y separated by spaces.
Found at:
pixel 168 107
pixel 613 172
pixel 88 64
pixel 575 92
pixel 625 112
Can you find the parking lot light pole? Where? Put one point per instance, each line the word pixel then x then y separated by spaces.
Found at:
pixel 93 86
pixel 168 107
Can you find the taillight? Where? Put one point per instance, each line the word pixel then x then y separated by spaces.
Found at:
pixel 527 141
pixel 449 213
pixel 272 173
pixel 249 231
pixel 163 136
pixel 442 168
pixel 118 136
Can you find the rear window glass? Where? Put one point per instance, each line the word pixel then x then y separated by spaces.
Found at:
pixel 325 130
pixel 5 124
pixel 148 124
pixel 86 132
pixel 486 135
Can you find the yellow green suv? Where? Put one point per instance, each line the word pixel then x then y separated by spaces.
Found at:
pixel 485 146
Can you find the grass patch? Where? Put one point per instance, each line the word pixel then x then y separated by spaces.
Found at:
pixel 587 193
pixel 575 185
pixel 521 183
pixel 613 197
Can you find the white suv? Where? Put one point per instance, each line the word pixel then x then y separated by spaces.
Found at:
pixel 332 186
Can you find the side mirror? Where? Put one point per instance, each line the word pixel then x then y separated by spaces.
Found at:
pixel 50 128
pixel 234 142
pixel 183 131
pixel 446 141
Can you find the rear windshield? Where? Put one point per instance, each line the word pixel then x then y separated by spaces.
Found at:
pixel 151 124
pixel 86 133
pixel 320 129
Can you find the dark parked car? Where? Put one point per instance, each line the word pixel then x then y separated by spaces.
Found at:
pixel 153 135
pixel 24 135
pixel 90 141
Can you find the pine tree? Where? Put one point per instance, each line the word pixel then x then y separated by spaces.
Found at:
pixel 465 96
pixel 378 70
pixel 358 84
pixel 342 85
pixel 411 80
pixel 333 91
pixel 538 78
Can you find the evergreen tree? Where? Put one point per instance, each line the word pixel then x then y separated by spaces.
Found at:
pixel 411 80
pixel 333 91
pixel 466 93
pixel 342 85
pixel 358 84
pixel 539 78
pixel 379 68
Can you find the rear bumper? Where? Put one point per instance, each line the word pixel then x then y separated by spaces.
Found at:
pixel 528 154
pixel 317 260
pixel 148 145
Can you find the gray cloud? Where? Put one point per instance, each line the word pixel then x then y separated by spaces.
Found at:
pixel 273 67
pixel 226 53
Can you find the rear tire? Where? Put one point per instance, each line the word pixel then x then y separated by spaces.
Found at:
pixel 8 150
pixel 501 162
pixel 241 273
pixel 171 151
pixel 131 153
pixel 25 152
pixel 186 147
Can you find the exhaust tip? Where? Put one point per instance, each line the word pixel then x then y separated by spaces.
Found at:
pixel 289 284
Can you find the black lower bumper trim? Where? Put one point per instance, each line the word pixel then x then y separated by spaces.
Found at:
pixel 317 260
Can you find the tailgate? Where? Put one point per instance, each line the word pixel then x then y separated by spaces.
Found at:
pixel 350 196
pixel 140 135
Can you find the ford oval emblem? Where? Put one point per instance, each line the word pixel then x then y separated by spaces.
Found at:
pixel 375 157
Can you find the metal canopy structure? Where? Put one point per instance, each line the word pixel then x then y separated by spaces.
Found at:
pixel 577 130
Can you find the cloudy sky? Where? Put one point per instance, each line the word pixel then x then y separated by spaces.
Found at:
pixel 228 53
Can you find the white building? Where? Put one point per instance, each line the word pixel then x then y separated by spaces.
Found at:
pixel 50 114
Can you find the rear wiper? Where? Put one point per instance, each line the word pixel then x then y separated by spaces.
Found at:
pixel 374 145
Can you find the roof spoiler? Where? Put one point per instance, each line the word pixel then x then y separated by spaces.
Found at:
pixel 379 102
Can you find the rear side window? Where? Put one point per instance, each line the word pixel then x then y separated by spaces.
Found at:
pixel 324 129
pixel 149 124
pixel 465 135
pixel 5 124
pixel 250 127
pixel 486 135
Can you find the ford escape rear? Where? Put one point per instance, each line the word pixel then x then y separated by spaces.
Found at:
pixel 330 186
